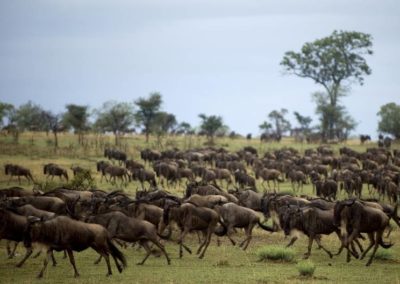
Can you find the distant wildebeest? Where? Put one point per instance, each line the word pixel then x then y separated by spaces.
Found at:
pixel 364 138
pixel 114 172
pixel 64 233
pixel 55 170
pixel 16 170
pixel 115 154
pixel 144 175
pixel 269 174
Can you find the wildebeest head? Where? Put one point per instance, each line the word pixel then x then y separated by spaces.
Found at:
pixel 338 208
pixel 291 219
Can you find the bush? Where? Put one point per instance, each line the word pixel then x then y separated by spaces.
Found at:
pixel 306 268
pixel 275 253
pixel 82 181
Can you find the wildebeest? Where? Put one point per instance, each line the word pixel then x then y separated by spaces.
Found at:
pixel 15 192
pixel 16 170
pixel 236 216
pixel 355 218
pixel 130 229
pixel 364 138
pixel 144 175
pixel 114 172
pixel 115 154
pixel 55 170
pixel 64 233
pixel 47 203
pixel 326 189
pixel 191 218
pixel 269 174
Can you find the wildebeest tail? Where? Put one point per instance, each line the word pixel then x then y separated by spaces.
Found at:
pixel 264 227
pixel 116 253
pixel 383 244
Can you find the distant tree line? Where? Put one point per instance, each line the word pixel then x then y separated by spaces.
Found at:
pixel 334 63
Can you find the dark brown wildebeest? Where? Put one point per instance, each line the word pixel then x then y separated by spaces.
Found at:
pixel 298 177
pixel 148 155
pixel 12 228
pixel 55 170
pixel 115 154
pixel 130 229
pixel 101 165
pixel 131 164
pixel 16 170
pixel 354 217
pixel 364 138
pixel 236 216
pixel 64 233
pixel 243 179
pixel 166 171
pixel 223 174
pixel 144 175
pixel 207 189
pixel 313 222
pixel 326 189
pixel 269 174
pixel 191 218
pixel 114 172
pixel 250 199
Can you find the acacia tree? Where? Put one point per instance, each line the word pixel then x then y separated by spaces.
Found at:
pixel 77 118
pixel 281 123
pixel 390 119
pixel 147 112
pixel 304 121
pixel 334 62
pixel 115 117
pixel 265 127
pixel 210 125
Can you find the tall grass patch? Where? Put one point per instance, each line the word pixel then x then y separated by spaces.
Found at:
pixel 275 253
pixel 306 268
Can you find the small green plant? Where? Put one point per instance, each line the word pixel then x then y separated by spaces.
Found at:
pixel 275 253
pixel 384 254
pixel 82 181
pixel 306 268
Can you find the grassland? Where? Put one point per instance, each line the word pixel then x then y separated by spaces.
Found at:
pixel 222 264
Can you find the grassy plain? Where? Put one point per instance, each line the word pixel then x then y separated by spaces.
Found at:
pixel 222 264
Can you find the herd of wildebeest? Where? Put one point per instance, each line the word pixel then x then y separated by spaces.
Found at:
pixel 220 197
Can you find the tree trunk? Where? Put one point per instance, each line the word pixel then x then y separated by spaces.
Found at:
pixel 55 139
pixel 147 136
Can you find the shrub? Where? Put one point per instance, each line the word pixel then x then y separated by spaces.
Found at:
pixel 82 181
pixel 275 253
pixel 306 268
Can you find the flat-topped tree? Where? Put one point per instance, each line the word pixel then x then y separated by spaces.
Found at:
pixel 147 113
pixel 334 62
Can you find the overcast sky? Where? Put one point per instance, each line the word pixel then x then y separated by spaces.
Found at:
pixel 204 56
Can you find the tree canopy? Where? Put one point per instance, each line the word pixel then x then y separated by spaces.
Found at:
pixel 210 125
pixel 77 118
pixel 334 62
pixel 390 119
pixel 147 112
pixel 115 117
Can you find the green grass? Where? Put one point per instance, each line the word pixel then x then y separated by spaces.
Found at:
pixel 275 253
pixel 221 264
pixel 306 268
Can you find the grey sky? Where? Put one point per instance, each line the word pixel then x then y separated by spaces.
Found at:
pixel 215 57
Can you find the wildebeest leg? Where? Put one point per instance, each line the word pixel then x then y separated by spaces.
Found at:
pixel 202 244
pixel 229 235
pixel 45 262
pixel 372 241
pixel 318 240
pixel 208 240
pixel 28 253
pixel 72 261
pixel 11 253
pixel 292 241
pixel 310 242
pixel 53 259
pixel 145 245
pixel 162 248
pixel 98 260
pixel 248 232
pixel 181 238
pixel 390 229
pixel 378 237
